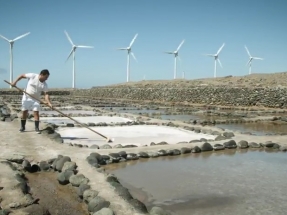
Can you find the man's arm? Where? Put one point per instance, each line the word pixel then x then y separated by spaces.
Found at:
pixel 47 99
pixel 23 76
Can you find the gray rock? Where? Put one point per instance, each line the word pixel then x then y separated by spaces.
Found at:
pixel 60 163
pixel 138 205
pixel 16 158
pixel 242 144
pixel 105 146
pixel 254 145
pixel 220 137
pixel 69 165
pixel 228 134
pixel 231 144
pixel 26 165
pixel 97 204
pixel 81 189
pixel 196 149
pixel 88 195
pixel 206 147
pixel 44 166
pixel 104 211
pixel 143 155
pixel 185 150
pixel 94 146
pixel 78 179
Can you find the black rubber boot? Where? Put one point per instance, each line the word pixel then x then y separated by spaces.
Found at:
pixel 37 127
pixel 23 123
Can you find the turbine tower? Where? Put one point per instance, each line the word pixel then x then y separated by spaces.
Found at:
pixel 74 47
pixel 129 49
pixel 11 42
pixel 250 59
pixel 216 59
pixel 175 53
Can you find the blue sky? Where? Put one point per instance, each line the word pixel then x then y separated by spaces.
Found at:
pixel 161 25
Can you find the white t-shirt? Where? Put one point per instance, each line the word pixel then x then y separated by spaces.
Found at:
pixel 35 86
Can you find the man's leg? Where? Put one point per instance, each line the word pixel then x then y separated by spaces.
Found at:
pixel 36 119
pixel 23 120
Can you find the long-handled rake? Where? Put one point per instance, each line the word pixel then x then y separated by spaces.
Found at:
pixel 81 124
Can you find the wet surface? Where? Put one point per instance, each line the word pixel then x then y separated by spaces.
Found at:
pixel 55 198
pixel 260 129
pixel 227 182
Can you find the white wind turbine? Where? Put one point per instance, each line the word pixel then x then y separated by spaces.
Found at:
pixel 216 59
pixel 11 42
pixel 250 59
pixel 74 47
pixel 129 49
pixel 175 53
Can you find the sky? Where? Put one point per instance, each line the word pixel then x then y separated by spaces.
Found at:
pixel 161 25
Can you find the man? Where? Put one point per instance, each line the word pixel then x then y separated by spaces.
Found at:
pixel 36 85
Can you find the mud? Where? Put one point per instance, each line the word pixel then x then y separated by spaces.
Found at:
pixel 54 199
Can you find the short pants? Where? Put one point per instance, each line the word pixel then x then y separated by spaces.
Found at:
pixel 30 104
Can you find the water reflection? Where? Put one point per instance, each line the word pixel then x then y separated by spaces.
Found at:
pixel 222 182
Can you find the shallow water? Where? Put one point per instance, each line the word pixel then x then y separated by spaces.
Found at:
pixel 258 128
pixel 227 182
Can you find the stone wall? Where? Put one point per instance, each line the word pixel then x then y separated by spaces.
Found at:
pixel 226 96
pixel 268 97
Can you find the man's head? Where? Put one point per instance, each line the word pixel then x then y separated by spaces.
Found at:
pixel 44 75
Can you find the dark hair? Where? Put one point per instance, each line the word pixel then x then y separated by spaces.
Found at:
pixel 45 72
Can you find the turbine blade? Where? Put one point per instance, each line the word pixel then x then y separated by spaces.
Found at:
pixel 248 51
pixel 134 56
pixel 257 58
pixel 210 55
pixel 24 35
pixel 133 40
pixel 91 47
pixel 249 62
pixel 169 52
pixel 70 54
pixel 4 38
pixel 219 50
pixel 69 38
pixel 122 49
pixel 219 62
pixel 180 45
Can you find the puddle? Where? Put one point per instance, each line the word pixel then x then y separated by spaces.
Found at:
pixel 56 198
pixel 259 129
pixel 228 182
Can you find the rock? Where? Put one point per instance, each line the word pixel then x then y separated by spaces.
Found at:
pixel 218 147
pixel 185 150
pixel 196 149
pixel 76 180
pixel 268 144
pixel 220 137
pixel 206 147
pixel 153 154
pixel 97 204
pixel 26 165
pixel 69 165
pixel 123 192
pixel 94 146
pixel 105 146
pixel 138 205
pixel 16 158
pixel 173 152
pixel 254 145
pixel 60 163
pixel 44 166
pixel 228 134
pixel 81 189
pixel 143 155
pixel 132 156
pixel 88 195
pixel 242 144
pixel 231 144
pixel 104 211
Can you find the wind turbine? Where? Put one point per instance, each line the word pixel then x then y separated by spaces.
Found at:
pixel 216 58
pixel 74 47
pixel 11 42
pixel 129 49
pixel 175 53
pixel 250 59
